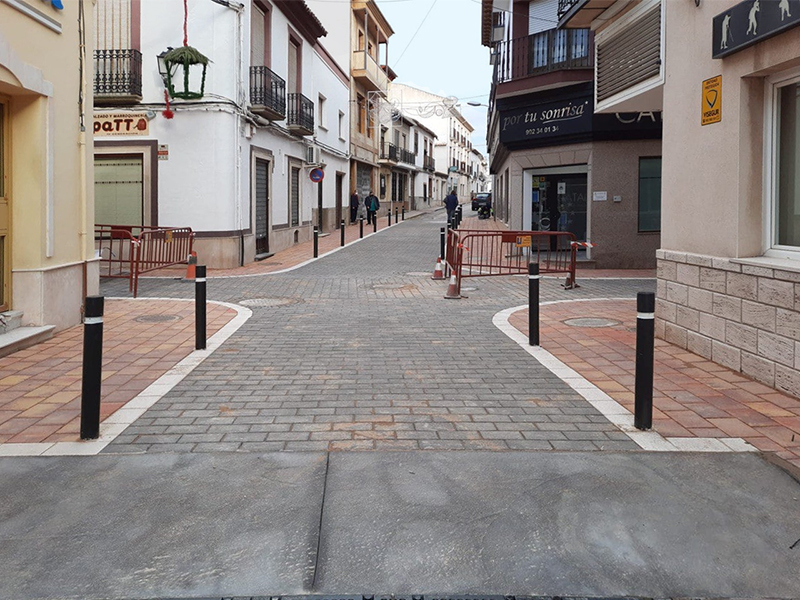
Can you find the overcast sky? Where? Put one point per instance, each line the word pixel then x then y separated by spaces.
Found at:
pixel 445 56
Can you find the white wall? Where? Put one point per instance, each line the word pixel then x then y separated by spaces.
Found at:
pixel 336 17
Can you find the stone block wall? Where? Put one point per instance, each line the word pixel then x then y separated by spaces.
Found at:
pixel 744 317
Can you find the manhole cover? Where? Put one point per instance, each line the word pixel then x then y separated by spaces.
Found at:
pixel 265 302
pixel 590 322
pixel 157 318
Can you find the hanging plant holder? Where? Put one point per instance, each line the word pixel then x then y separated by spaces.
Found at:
pixel 183 68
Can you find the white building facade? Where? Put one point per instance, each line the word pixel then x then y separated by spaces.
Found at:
pixel 235 164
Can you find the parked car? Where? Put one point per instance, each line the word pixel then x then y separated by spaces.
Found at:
pixel 481 199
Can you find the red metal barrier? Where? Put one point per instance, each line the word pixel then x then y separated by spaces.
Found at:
pixel 479 253
pixel 125 255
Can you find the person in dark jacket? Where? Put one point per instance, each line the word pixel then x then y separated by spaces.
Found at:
pixel 373 204
pixel 353 206
pixel 451 203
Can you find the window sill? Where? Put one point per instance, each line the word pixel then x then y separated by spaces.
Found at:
pixel 322 127
pixel 770 262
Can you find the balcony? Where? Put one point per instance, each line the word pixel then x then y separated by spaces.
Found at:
pixel 267 94
pixel 389 152
pixel 544 52
pixel 581 13
pixel 117 76
pixel 300 117
pixel 407 157
pixel 428 163
pixel 369 73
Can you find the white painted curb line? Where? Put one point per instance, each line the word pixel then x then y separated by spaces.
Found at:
pixel 118 422
pixel 605 404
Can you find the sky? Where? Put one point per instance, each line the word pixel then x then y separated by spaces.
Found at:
pixel 436 47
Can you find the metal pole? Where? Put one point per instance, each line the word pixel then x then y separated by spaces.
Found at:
pixel 92 368
pixel 341 226
pixel 316 242
pixel 389 214
pixel 360 227
pixel 200 308
pixel 645 340
pixel 441 243
pixel 533 304
pixel 375 223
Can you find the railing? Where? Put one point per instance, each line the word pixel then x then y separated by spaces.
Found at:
pixel 126 254
pixel 362 61
pixel 407 156
pixel 117 73
pixel 544 52
pixel 389 152
pixel 428 163
pixel 301 112
pixel 564 6
pixel 478 253
pixel 267 90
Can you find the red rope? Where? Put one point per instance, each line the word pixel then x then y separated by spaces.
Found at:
pixel 185 21
pixel 168 114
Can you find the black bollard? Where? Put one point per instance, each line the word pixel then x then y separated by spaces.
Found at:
pixel 404 213
pixel 375 223
pixel 533 304
pixel 200 308
pixel 441 242
pixel 91 380
pixel 316 242
pixel 389 215
pixel 361 227
pixel 396 215
pixel 341 227
pixel 645 339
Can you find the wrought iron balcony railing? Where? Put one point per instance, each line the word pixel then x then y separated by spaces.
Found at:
pixel 428 163
pixel 390 152
pixel 267 93
pixel 300 117
pixel 406 156
pixel 117 74
pixel 544 52
pixel 564 6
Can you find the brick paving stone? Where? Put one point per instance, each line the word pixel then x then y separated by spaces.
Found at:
pixel 365 354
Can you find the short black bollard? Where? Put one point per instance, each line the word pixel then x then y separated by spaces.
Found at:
pixel 361 227
pixel 389 215
pixel 441 242
pixel 375 223
pixel 341 227
pixel 200 308
pixel 645 339
pixel 396 215
pixel 92 368
pixel 533 304
pixel 316 242
pixel 404 213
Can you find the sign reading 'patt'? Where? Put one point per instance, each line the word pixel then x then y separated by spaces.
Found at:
pixel 121 124
pixel 711 110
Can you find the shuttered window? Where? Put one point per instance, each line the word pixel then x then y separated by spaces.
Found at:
pixel 294 196
pixel 119 190
pixel 112 24
pixel 630 57
pixel 262 199
pixel 258 37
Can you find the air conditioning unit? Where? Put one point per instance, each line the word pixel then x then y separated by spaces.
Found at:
pixel 312 155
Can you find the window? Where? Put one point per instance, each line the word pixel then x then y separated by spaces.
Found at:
pixel 294 196
pixel 322 122
pixel 650 194
pixel 341 125
pixel 370 119
pixel 787 166
pixel 259 36
pixel 416 143
pixel 361 109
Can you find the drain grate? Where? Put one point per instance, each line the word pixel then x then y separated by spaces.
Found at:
pixel 267 302
pixel 590 322
pixel 157 318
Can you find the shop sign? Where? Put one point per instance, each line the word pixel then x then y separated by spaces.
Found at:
pixel 109 124
pixel 523 241
pixel 750 22
pixel 599 196
pixel 711 102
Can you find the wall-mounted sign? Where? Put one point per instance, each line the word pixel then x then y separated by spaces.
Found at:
pixel 523 241
pixel 711 102
pixel 750 22
pixel 163 152
pixel 599 196
pixel 562 187
pixel 121 124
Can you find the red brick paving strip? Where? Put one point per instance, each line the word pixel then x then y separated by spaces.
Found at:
pixel 40 387
pixel 693 397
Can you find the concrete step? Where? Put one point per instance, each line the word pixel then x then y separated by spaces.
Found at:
pixel 10 320
pixel 24 337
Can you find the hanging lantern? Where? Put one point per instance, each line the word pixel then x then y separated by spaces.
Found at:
pixel 182 68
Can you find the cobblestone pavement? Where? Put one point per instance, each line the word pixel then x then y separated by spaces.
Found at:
pixel 359 350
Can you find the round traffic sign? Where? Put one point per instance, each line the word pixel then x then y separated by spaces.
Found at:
pixel 317 175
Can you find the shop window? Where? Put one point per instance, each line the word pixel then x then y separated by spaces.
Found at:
pixel 787 166
pixel 650 194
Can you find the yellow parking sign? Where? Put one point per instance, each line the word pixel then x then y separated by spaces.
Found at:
pixel 523 241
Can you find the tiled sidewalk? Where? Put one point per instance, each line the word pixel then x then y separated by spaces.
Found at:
pixel 692 397
pixel 40 387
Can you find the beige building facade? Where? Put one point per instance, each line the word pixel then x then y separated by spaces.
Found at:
pixel 47 263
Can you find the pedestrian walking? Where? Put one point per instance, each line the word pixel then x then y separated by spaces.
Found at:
pixel 451 203
pixel 362 209
pixel 373 204
pixel 353 207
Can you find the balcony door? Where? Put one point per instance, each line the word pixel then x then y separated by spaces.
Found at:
pixel 293 84
pixel 260 36
pixel 5 216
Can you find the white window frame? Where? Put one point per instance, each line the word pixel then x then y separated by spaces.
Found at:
pixel 772 88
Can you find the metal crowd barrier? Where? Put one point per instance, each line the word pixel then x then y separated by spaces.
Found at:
pixel 478 253
pixel 128 251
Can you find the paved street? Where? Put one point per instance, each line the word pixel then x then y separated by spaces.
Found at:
pixel 360 351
